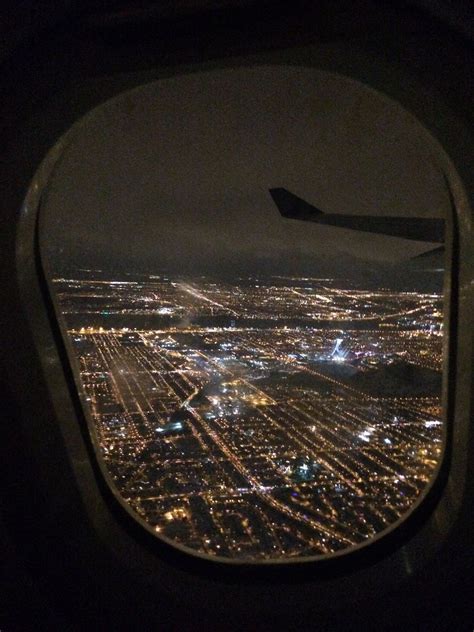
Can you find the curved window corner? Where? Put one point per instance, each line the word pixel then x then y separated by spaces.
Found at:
pixel 248 269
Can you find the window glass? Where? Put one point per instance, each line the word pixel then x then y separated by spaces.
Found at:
pixel 248 269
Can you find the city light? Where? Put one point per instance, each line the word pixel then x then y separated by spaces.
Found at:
pixel 269 418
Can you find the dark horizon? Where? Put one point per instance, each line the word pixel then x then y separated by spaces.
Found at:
pixel 351 270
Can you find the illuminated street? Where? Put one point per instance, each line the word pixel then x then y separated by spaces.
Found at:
pixel 260 418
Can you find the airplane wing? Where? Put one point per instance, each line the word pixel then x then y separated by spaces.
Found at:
pixel 429 260
pixel 418 228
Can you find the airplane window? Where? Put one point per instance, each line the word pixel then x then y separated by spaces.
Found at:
pixel 248 268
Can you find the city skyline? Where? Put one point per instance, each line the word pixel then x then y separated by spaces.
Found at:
pixel 260 419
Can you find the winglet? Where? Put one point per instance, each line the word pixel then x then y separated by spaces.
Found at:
pixel 291 205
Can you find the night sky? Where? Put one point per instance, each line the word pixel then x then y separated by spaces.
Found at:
pixel 175 175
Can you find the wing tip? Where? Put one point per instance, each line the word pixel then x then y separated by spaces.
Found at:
pixel 290 205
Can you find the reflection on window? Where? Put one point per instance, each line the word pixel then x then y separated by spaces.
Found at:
pixel 261 396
